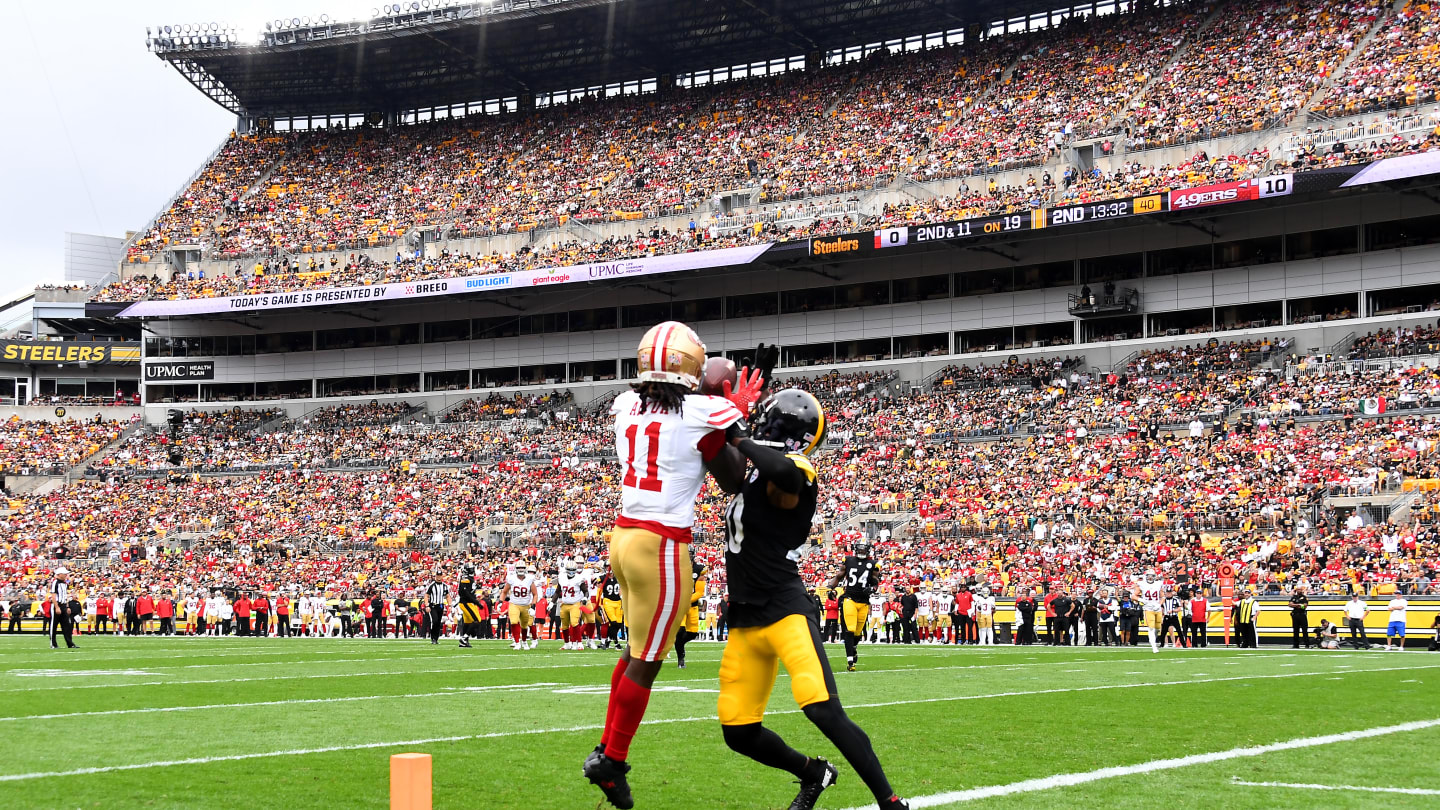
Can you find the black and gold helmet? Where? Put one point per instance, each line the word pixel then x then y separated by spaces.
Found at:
pixel 791 420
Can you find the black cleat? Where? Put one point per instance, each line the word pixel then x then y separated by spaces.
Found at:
pixel 593 756
pixel 895 803
pixel 465 642
pixel 609 775
pixel 680 662
pixel 815 784
pixel 850 666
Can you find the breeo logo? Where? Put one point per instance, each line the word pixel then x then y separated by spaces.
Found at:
pixel 441 286
pixel 840 244
pixel 1197 197
pixel 535 282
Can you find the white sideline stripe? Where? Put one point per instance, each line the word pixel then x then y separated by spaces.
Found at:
pixel 1072 779
pixel 909 670
pixel 1298 786
pixel 469 690
pixel 451 670
pixel 16 777
pixel 586 663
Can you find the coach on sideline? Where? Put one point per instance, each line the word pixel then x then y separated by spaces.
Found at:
pixel 60 609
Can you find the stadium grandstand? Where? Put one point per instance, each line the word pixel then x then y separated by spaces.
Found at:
pixel 1087 292
pixel 1003 244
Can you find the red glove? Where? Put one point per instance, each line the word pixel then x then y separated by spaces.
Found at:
pixel 748 385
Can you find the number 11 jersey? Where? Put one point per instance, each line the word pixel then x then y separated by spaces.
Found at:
pixel 662 459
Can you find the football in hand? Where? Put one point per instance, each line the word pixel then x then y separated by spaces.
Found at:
pixel 718 370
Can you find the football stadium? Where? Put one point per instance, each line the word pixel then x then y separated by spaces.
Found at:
pixel 746 404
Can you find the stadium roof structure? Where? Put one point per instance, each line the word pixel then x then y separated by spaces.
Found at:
pixel 418 55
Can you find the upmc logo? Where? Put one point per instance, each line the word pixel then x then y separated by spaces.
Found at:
pixel 1206 195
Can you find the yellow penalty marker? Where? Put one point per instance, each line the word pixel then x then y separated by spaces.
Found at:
pixel 410 782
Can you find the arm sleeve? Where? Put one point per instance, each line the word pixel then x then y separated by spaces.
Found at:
pixel 711 444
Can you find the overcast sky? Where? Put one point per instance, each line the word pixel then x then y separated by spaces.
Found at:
pixel 99 133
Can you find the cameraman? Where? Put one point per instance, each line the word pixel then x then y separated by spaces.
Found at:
pixel 1326 636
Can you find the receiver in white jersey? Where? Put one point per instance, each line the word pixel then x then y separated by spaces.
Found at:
pixel 1152 595
pixel 661 459
pixel 573 590
pixel 522 590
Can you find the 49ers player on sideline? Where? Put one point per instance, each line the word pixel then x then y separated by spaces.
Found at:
pixel 666 436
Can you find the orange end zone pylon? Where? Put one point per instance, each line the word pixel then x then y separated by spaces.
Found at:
pixel 410 782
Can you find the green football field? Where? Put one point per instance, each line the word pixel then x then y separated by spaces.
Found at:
pixel 311 723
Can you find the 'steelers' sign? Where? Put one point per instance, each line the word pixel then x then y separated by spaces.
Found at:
pixel 59 352
pixel 161 371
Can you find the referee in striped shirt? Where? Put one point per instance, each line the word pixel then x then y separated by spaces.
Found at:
pixel 60 618
pixel 1171 610
pixel 435 600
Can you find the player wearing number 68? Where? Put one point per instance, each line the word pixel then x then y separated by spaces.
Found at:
pixel 667 435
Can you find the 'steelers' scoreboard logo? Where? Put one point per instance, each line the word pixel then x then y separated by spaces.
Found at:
pixel 833 245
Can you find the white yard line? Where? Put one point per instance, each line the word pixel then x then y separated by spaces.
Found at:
pixel 469 690
pixel 586 661
pixel 711 718
pixel 1364 788
pixel 1071 779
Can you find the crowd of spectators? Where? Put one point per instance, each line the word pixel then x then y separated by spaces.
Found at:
pixel 1256 66
pixel 1400 67
pixel 1063 504
pixel 220 186
pixel 1001 103
pixel 42 447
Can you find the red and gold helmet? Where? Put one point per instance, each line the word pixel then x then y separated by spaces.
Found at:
pixel 671 352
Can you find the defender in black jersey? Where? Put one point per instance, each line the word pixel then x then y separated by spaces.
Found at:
pixel 469 607
pixel 859 577
pixel 611 606
pixel 771 617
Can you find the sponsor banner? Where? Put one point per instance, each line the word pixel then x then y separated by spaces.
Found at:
pixel 462 285
pixel 160 371
pixel 55 352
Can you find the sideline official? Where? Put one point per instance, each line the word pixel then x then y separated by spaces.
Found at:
pixel 60 618
pixel 435 600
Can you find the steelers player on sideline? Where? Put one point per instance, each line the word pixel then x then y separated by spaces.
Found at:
pixel 859 577
pixel 469 607
pixel 666 437
pixel 574 590
pixel 691 629
pixel 772 620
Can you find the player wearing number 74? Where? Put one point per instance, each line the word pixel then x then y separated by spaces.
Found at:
pixel 667 435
